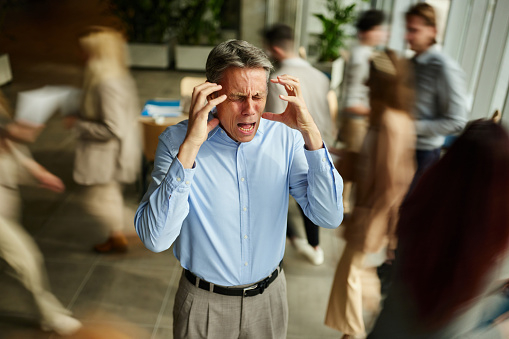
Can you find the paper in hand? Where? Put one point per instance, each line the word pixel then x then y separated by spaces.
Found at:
pixel 37 106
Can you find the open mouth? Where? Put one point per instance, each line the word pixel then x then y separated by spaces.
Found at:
pixel 246 128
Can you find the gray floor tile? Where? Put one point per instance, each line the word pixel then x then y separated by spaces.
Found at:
pixel 65 278
pixel 133 293
pixel 307 302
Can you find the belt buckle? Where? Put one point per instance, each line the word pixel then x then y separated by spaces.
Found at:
pixel 249 288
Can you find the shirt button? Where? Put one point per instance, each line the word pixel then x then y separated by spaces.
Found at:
pixel 245 209
pixel 241 179
pixel 245 237
pixel 323 159
pixel 178 179
pixel 245 264
pixel 187 182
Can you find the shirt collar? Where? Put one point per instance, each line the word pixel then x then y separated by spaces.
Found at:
pixel 424 58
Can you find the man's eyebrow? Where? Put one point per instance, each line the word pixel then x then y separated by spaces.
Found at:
pixel 239 94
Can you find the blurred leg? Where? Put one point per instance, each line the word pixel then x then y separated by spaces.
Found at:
pixel 344 312
pixel 20 251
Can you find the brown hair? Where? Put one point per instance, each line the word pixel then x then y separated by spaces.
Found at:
pixel 454 226
pixel 425 11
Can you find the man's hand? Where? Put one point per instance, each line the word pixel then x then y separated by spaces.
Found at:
pixel 198 127
pixel 296 114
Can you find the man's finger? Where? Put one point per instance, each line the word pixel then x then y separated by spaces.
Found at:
pixel 272 116
pixel 289 77
pixel 294 85
pixel 292 99
pixel 214 102
pixel 200 96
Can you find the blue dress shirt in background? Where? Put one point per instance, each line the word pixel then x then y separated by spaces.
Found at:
pixel 227 215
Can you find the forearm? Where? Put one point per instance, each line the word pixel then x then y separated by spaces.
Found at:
pixel 312 138
pixel 444 126
pixel 187 154
pixel 321 195
pixel 97 131
pixel 164 207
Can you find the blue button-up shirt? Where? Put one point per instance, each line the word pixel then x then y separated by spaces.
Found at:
pixel 227 215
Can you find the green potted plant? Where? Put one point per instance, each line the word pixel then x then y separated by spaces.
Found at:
pixel 199 31
pixel 148 25
pixel 333 36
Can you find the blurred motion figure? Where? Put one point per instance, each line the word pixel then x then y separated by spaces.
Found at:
pixel 355 119
pixel 452 251
pixel 441 105
pixel 108 152
pixel 384 171
pixel 17 247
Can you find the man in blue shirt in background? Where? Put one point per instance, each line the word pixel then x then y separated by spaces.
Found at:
pixel 220 193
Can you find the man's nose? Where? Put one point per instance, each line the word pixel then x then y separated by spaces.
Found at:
pixel 249 107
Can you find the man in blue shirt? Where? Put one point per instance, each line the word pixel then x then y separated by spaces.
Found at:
pixel 220 194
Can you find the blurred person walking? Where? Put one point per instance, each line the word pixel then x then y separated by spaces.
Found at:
pixel 17 247
pixel 453 246
pixel 108 153
pixel 441 105
pixel 385 169
pixel 315 86
pixel 356 108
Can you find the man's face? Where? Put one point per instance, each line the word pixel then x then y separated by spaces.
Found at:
pixel 419 35
pixel 375 36
pixel 246 91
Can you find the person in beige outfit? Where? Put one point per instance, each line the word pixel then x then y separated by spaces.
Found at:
pixel 385 170
pixel 17 247
pixel 108 150
pixel 356 108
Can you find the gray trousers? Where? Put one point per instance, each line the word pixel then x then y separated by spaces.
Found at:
pixel 202 314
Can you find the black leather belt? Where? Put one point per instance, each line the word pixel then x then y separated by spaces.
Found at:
pixel 249 291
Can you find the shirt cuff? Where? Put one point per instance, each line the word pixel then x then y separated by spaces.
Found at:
pixel 179 178
pixel 319 160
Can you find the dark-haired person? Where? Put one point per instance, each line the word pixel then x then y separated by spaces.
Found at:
pixel 220 190
pixel 453 246
pixel 354 125
pixel 315 86
pixel 441 105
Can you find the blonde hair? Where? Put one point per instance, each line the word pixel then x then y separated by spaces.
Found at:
pixel 106 50
pixel 107 59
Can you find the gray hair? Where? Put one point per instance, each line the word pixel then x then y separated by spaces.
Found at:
pixel 235 53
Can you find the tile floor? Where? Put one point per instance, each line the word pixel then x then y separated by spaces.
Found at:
pixel 132 293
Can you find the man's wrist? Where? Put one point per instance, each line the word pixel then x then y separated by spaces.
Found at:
pixel 312 138
pixel 187 154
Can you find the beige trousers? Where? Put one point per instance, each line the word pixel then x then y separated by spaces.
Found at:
pixel 352 286
pixel 20 251
pixel 105 203
pixel 202 314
